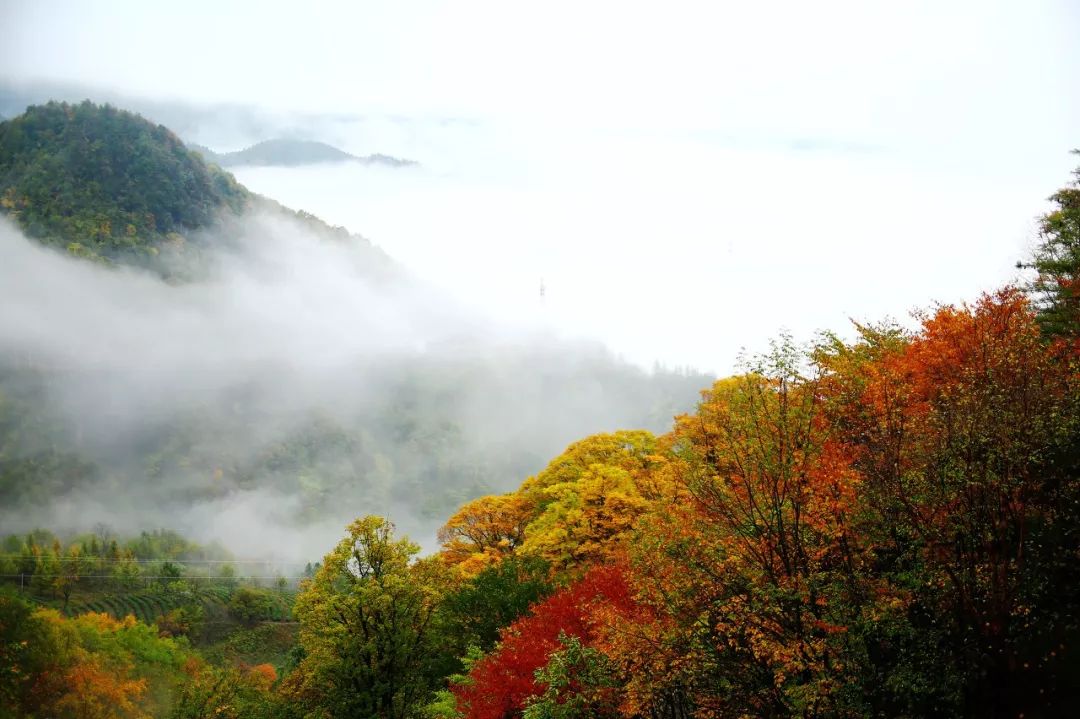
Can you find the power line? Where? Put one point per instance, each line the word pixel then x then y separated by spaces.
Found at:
pixel 120 560
pixel 139 577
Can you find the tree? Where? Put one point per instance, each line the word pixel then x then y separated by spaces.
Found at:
pixel 125 571
pixel 367 627
pixel 25 655
pixel 578 510
pixel 46 571
pixel 485 530
pixel 580 681
pixel 966 437
pixel 477 609
pixel 87 667
pixel 251 604
pixel 501 683
pixel 1056 288
pixel 755 580
pixel 73 567
pixel 630 450
pixel 229 693
pixel 586 520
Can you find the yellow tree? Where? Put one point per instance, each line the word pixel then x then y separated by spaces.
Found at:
pixel 588 498
pixel 630 450
pixel 586 520
pixel 579 509
pixel 484 530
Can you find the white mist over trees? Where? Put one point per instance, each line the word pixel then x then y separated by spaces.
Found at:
pixel 302 381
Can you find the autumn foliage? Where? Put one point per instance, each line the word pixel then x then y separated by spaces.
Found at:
pixel 501 683
pixel 86 667
pixel 884 527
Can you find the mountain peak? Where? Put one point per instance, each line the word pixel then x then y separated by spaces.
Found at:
pixel 105 182
pixel 285 152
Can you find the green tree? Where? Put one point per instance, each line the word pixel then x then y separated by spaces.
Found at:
pixel 1056 288
pixel 476 610
pixel 368 627
pixel 170 577
pixel 125 572
pixel 251 604
pixel 580 682
pixel 46 571
pixel 73 567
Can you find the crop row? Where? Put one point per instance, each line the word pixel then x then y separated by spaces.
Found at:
pixel 148 606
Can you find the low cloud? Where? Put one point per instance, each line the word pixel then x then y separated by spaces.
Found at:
pixel 301 382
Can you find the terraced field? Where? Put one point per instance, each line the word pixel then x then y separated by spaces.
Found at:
pixel 148 606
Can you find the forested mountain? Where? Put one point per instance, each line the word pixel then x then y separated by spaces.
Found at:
pixel 289 153
pixel 106 183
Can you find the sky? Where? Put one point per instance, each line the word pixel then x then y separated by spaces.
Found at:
pixel 687 179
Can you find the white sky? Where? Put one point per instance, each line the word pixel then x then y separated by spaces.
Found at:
pixel 688 177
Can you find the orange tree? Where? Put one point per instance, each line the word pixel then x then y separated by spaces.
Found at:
pixel 965 437
pixel 756 581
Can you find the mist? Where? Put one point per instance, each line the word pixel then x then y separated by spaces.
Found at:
pixel 669 248
pixel 298 383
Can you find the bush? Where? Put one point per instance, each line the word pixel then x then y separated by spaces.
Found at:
pixel 249 604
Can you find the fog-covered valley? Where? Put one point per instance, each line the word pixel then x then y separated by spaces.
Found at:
pixel 302 381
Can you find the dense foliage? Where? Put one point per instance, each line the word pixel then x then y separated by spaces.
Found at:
pixel 883 528
pixel 88 666
pixel 106 183
pixel 886 527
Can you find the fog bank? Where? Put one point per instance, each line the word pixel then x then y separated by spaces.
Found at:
pixel 301 383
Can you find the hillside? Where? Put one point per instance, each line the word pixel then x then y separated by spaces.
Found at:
pixel 291 153
pixel 107 183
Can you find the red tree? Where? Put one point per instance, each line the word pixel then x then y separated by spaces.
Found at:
pixel 501 683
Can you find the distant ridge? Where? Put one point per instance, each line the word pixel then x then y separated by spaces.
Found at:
pixel 292 153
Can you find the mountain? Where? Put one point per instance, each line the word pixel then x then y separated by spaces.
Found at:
pixel 106 183
pixel 291 153
pixel 109 185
